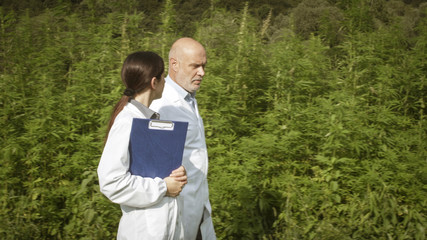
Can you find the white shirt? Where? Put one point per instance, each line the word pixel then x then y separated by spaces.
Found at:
pixel 174 106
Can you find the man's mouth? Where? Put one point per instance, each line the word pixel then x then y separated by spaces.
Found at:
pixel 197 81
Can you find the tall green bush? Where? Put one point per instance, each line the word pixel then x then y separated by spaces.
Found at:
pixel 320 137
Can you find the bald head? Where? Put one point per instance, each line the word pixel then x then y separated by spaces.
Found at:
pixel 187 60
pixel 184 46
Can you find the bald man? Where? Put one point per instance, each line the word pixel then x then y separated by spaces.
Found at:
pixel 187 60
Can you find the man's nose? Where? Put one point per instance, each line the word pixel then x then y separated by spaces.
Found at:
pixel 201 71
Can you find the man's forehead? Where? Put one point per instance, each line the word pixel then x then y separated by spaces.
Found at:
pixel 194 56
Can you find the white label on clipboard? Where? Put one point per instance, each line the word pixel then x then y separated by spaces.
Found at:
pixel 161 125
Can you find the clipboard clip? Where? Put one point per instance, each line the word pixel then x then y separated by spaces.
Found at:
pixel 161 125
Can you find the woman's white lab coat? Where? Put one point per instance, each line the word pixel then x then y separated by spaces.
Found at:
pixel 147 212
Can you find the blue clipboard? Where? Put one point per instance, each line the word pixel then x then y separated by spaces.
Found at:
pixel 156 147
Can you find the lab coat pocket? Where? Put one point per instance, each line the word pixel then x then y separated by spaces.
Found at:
pixel 157 220
pixel 132 225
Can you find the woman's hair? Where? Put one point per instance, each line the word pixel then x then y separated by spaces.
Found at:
pixel 137 71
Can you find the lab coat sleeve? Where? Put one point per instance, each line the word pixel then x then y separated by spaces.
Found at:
pixel 115 180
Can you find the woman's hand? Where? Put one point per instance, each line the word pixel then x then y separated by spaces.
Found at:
pixel 176 181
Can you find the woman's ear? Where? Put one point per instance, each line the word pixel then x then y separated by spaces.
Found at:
pixel 154 83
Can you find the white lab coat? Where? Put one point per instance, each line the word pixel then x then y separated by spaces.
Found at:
pixel 195 194
pixel 147 212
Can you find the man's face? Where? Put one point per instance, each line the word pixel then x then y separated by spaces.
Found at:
pixel 191 69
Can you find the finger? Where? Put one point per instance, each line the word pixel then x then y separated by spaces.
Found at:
pixel 180 178
pixel 177 174
pixel 184 177
pixel 180 169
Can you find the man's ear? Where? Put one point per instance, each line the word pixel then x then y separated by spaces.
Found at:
pixel 174 64
pixel 154 83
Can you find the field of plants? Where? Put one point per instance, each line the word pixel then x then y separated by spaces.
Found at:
pixel 314 111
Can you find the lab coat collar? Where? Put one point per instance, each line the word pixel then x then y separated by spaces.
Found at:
pixel 148 113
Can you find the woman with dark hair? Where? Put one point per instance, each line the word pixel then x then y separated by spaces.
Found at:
pixel 150 206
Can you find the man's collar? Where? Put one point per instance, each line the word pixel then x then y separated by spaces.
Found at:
pixel 181 91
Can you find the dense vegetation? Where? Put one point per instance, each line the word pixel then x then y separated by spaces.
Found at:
pixel 314 113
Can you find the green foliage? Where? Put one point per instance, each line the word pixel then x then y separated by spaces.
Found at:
pixel 315 117
pixel 320 17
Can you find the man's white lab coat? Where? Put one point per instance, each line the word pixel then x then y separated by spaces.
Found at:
pixel 195 194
